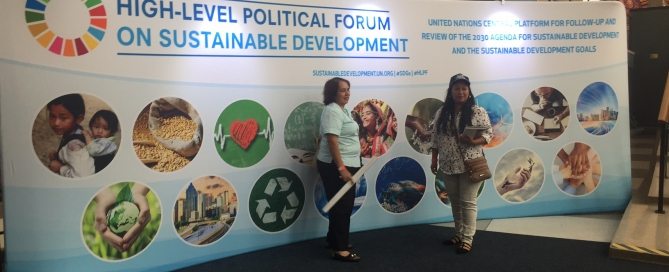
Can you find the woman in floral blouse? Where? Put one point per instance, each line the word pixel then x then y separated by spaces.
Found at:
pixel 450 148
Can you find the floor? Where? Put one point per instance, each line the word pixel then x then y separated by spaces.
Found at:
pixel 601 227
pixel 643 232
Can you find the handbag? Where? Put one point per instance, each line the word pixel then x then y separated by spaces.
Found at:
pixel 477 169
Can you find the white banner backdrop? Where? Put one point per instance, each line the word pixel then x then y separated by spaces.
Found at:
pixel 144 135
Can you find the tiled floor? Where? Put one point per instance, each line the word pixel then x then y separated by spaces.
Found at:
pixel 589 227
pixel 598 227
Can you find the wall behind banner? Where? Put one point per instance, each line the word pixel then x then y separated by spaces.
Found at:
pixel 207 112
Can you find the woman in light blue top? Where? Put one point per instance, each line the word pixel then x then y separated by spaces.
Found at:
pixel 338 159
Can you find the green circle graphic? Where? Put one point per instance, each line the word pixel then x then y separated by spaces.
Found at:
pixel 276 200
pixel 243 133
pixel 301 132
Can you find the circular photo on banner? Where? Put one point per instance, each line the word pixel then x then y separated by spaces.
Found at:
pixel 302 131
pixel 597 108
pixel 577 169
pixel 378 127
pixel 167 134
pixel 276 200
pixel 121 221
pixel 400 185
pixel 321 198
pixel 243 133
pixel 76 135
pixel 545 113
pixel 419 124
pixel 205 210
pixel 519 175
pixel 500 114
pixel 440 189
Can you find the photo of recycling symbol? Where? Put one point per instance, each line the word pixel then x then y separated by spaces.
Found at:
pixel 276 200
pixel 243 133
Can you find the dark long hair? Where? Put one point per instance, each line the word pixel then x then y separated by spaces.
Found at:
pixel 447 115
pixel 331 88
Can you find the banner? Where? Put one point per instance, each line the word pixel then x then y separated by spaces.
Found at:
pixel 142 135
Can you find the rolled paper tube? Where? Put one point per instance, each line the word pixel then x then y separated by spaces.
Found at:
pixel 356 177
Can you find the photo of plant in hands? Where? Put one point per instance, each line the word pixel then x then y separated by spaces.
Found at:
pixel 519 175
pixel 121 221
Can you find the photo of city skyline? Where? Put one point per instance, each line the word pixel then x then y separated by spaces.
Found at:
pixel 597 108
pixel 205 210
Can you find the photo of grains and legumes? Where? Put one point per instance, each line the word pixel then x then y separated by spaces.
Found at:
pixel 149 149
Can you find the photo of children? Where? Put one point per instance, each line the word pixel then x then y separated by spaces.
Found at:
pixel 419 124
pixel 519 175
pixel 577 169
pixel 72 143
pixel 100 138
pixel 167 134
pixel 198 225
pixel 121 221
pixel 545 113
pixel 597 108
pixel 378 127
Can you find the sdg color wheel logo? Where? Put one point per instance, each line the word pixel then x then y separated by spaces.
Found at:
pixel 67 28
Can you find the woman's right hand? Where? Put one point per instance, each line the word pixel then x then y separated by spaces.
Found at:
pixel 345 175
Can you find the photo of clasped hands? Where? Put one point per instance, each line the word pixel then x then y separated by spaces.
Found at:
pixel 578 168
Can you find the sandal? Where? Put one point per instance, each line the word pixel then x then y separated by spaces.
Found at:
pixel 463 248
pixel 453 241
pixel 351 257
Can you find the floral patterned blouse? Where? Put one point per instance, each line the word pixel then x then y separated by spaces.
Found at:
pixel 451 152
